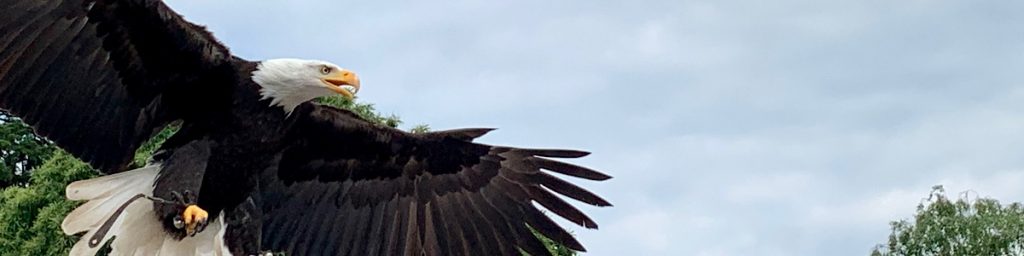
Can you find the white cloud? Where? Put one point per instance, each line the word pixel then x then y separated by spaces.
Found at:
pixel 770 188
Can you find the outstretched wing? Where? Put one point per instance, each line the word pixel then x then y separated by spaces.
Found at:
pixel 99 77
pixel 349 187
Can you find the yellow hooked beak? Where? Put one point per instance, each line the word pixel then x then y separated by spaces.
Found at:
pixel 343 82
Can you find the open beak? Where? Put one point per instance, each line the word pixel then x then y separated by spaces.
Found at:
pixel 343 82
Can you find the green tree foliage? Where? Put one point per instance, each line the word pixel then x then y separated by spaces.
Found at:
pixel 366 111
pixel 980 226
pixel 20 151
pixel 31 211
pixel 30 216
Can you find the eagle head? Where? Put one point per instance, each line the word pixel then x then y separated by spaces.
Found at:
pixel 290 82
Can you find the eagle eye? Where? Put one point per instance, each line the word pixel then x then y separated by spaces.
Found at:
pixel 325 69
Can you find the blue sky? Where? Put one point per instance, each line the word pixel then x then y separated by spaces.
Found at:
pixel 788 127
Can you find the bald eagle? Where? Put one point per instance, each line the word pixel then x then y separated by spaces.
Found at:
pixel 256 166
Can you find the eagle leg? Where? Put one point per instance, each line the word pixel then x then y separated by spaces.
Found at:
pixel 180 180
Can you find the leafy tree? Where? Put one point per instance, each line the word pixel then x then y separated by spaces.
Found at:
pixel 979 226
pixel 20 151
pixel 32 210
pixel 367 111
pixel 364 110
pixel 30 216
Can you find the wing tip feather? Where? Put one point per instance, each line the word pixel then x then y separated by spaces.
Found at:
pixel 467 134
pixel 569 169
pixel 556 153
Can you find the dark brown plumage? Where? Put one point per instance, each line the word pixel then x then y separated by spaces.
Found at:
pixel 442 182
pixel 100 77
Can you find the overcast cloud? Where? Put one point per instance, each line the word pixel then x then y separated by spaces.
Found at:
pixel 790 127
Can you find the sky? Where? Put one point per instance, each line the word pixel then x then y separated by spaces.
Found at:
pixel 788 127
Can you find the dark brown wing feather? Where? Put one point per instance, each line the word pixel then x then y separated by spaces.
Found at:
pixel 100 77
pixel 349 187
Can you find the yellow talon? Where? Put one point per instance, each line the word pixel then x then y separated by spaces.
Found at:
pixel 193 217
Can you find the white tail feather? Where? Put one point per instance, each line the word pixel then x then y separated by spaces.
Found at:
pixel 138 231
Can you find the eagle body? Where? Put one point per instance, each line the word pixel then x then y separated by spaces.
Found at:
pixel 242 138
pixel 256 166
